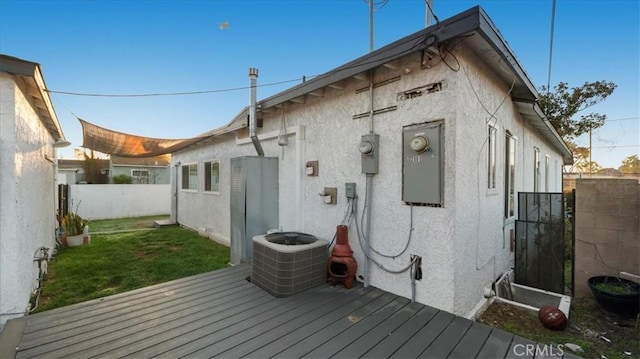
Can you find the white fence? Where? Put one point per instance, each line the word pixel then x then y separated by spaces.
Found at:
pixel 102 201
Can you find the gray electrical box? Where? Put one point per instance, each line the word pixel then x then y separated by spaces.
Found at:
pixel 350 190
pixel 423 164
pixel 369 148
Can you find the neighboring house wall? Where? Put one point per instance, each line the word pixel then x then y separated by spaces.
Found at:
pixel 102 201
pixel 464 245
pixel 607 230
pixel 27 211
pixel 156 175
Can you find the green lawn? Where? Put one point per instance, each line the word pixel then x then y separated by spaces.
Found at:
pixel 118 262
pixel 119 224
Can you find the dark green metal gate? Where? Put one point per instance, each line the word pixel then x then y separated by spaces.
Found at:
pixel 539 257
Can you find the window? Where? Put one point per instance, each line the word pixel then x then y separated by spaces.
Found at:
pixel 190 176
pixel 546 173
pixel 510 176
pixel 212 176
pixel 140 176
pixel 491 158
pixel 536 169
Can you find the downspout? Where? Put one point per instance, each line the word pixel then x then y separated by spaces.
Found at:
pixel 253 77
pixel 175 188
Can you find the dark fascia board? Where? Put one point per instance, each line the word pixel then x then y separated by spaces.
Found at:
pixel 458 25
pixel 492 36
pixel 530 95
pixel 471 22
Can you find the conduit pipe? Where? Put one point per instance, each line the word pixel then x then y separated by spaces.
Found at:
pixel 368 190
pixel 253 77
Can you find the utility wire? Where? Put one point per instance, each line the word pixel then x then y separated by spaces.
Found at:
pixel 622 119
pixel 553 21
pixel 168 93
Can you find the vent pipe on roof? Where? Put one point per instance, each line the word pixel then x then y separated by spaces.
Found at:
pixel 253 77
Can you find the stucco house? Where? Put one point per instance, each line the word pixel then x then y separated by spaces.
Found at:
pixel 146 170
pixel 75 171
pixel 30 133
pixel 438 130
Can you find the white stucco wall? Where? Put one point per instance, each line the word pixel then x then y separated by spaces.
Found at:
pixel 27 211
pixel 103 201
pixel 461 244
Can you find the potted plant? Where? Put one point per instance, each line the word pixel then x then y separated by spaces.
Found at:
pixel 75 230
pixel 617 295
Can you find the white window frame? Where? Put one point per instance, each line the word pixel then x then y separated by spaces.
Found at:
pixel 546 173
pixel 136 179
pixel 190 177
pixel 209 176
pixel 536 169
pixel 492 158
pixel 510 175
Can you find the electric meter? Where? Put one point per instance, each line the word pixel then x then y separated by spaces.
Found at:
pixel 419 143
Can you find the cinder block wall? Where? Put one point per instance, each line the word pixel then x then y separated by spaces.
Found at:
pixel 607 229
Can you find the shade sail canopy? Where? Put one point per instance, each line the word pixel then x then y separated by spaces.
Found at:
pixel 127 145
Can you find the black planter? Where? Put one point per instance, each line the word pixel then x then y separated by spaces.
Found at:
pixel 623 304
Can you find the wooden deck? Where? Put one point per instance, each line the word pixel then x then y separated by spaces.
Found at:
pixel 220 314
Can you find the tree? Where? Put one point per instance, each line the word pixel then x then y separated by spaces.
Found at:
pixel 630 164
pixel 580 157
pixel 589 167
pixel 564 103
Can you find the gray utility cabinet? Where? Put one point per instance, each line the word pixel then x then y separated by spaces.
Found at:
pixel 254 202
pixel 423 164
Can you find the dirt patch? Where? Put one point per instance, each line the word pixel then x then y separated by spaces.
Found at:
pixel 599 333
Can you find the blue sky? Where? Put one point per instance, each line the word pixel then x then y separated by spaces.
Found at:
pixel 129 47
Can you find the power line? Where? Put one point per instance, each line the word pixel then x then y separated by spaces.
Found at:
pixel 615 146
pixel 169 93
pixel 553 21
pixel 622 119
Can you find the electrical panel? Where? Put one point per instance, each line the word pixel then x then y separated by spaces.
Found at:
pixel 423 164
pixel 369 148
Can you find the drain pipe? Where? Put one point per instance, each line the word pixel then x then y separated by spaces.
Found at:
pixel 253 77
pixel 175 189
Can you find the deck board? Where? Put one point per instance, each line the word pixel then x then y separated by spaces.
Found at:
pixel 425 336
pixel 360 328
pixel 386 347
pixel 496 345
pixel 447 340
pixel 472 341
pixel 364 297
pixel 283 332
pixel 303 347
pixel 220 314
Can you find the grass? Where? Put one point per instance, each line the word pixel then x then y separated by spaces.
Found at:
pixel 119 262
pixel 587 324
pixel 120 224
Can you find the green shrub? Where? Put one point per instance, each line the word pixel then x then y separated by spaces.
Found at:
pixel 122 179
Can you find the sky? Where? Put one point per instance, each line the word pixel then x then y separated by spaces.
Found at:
pixel 152 47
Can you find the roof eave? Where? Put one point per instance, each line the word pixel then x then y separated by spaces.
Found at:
pixel 32 74
pixel 525 95
pixel 456 26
